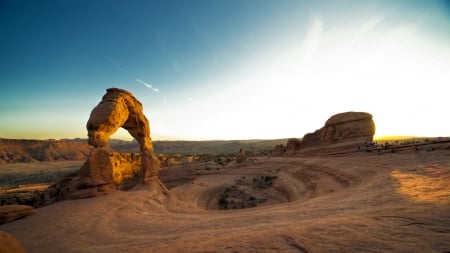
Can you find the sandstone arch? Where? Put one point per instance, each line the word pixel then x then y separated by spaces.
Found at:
pixel 105 170
pixel 119 108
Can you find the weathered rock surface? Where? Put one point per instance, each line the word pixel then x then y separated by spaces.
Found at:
pixel 348 126
pixel 104 170
pixel 279 150
pixel 342 127
pixel 339 128
pixel 240 156
pixel 9 244
pixel 118 108
pixel 292 145
pixel 312 139
pixel 10 213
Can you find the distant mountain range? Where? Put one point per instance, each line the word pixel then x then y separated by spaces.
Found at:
pixel 21 150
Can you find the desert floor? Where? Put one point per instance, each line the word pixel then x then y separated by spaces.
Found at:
pixel 362 202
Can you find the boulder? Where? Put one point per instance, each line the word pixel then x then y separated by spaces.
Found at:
pixel 240 156
pixel 9 244
pixel 10 213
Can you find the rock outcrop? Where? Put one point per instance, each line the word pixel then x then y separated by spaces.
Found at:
pixel 342 127
pixel 104 170
pixel 240 156
pixel 10 213
pixel 292 145
pixel 279 150
pixel 348 126
pixel 339 128
pixel 312 139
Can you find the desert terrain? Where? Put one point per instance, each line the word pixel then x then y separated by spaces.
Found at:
pixel 358 202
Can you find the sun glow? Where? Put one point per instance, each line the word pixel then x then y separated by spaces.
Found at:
pixel 389 72
pixel 432 187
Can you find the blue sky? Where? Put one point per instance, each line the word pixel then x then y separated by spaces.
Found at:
pixel 225 69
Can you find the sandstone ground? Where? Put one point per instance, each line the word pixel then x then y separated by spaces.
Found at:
pixel 362 202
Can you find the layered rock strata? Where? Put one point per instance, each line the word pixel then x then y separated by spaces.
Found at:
pixel 104 170
pixel 342 127
pixel 339 128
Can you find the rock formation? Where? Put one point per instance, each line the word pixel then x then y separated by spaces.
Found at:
pixel 9 244
pixel 279 150
pixel 342 127
pixel 10 213
pixel 240 156
pixel 104 170
pixel 348 126
pixel 339 128
pixel 312 139
pixel 292 145
pixel 16 150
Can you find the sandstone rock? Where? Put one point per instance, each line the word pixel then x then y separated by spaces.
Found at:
pixel 348 126
pixel 312 139
pixel 118 108
pixel 293 144
pixel 278 150
pixel 342 127
pixel 9 244
pixel 104 170
pixel 240 156
pixel 339 128
pixel 10 213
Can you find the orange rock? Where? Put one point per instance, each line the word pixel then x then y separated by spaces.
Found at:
pixel 348 126
pixel 10 213
pixel 9 244
pixel 105 170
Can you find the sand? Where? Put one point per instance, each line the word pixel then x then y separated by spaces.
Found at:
pixel 354 203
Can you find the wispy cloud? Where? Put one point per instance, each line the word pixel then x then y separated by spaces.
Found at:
pixel 148 85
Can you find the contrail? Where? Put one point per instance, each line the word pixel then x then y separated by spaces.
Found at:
pixel 116 65
pixel 123 70
pixel 148 85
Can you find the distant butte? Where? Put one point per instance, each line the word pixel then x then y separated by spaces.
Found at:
pixel 346 127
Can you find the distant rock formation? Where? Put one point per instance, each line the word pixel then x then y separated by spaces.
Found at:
pixel 339 128
pixel 16 150
pixel 240 156
pixel 104 170
pixel 348 126
pixel 342 127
